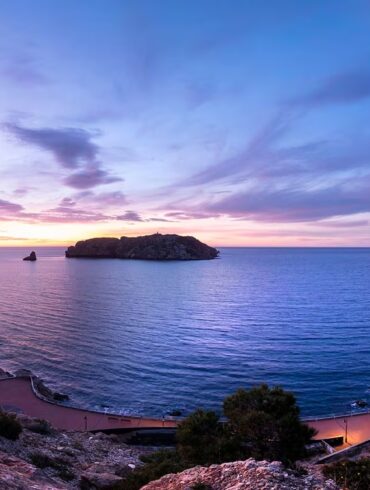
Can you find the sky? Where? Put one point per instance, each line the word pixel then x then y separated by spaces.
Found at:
pixel 243 123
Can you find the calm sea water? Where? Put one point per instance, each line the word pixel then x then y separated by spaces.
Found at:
pixel 147 337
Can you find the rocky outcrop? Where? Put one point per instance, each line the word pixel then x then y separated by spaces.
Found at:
pixel 31 257
pixel 38 384
pixel 45 458
pixel 242 475
pixel 149 247
pixel 19 475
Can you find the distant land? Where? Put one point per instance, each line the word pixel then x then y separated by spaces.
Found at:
pixel 148 247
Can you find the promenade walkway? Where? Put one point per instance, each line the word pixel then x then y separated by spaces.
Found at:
pixel 17 394
pixel 354 428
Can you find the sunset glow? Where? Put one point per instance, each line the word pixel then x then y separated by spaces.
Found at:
pixel 243 130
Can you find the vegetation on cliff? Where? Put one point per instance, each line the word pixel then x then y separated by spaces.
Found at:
pixel 262 423
pixel 351 475
pixel 10 428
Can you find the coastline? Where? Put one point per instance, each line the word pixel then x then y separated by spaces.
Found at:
pixel 18 393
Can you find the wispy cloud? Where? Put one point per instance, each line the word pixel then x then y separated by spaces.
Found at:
pixel 71 147
pixel 347 87
pixel 23 70
pixel 90 177
pixel 10 211
pixel 256 153
pixel 10 207
pixel 294 205
pixel 130 216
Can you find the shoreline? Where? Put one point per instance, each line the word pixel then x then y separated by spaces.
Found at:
pixel 19 394
pixel 44 392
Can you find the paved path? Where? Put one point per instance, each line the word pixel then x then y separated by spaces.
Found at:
pixel 17 394
pixel 353 428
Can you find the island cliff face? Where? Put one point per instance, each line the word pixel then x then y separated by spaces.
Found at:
pixel 149 247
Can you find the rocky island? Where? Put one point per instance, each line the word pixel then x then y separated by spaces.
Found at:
pixel 149 247
pixel 31 257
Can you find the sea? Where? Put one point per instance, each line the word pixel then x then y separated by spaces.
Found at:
pixel 143 337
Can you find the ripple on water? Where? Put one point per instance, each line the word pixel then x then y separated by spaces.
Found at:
pixel 149 336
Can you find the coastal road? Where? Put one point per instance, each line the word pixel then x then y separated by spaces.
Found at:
pixel 18 395
pixel 353 428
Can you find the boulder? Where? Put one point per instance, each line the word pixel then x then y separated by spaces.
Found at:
pixel 242 475
pixel 5 374
pixel 18 474
pixel 46 392
pixel 31 257
pixel 20 373
pixel 149 247
pixel 90 480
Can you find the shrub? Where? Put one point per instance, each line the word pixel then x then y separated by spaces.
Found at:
pixel 156 465
pixel 61 466
pixel 353 475
pixel 266 422
pixel 42 427
pixel 10 428
pixel 262 423
pixel 202 440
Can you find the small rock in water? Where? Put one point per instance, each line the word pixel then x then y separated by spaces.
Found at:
pixel 361 403
pixel 31 257
pixel 175 413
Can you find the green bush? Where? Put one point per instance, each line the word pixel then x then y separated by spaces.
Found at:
pixel 352 475
pixel 60 465
pixel 40 426
pixel 262 423
pixel 266 422
pixel 156 465
pixel 10 428
pixel 203 440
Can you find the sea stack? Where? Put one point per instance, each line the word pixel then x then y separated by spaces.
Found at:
pixel 149 247
pixel 31 257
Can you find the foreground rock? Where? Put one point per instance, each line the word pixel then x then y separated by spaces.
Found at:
pixel 149 247
pixel 31 257
pixel 18 474
pixel 242 475
pixel 45 458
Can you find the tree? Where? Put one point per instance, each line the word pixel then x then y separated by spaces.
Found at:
pixel 202 439
pixel 266 422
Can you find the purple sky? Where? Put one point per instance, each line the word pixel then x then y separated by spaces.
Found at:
pixel 243 123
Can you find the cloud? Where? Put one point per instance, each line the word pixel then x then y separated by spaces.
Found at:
pixel 130 216
pixel 90 177
pixel 6 238
pixel 256 152
pixel 10 211
pixel 23 70
pixel 71 147
pixel 67 214
pixel 188 215
pixel 295 205
pixel 340 89
pixel 108 199
pixel 10 208
pixel 67 202
pixel 21 191
pixel 344 224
